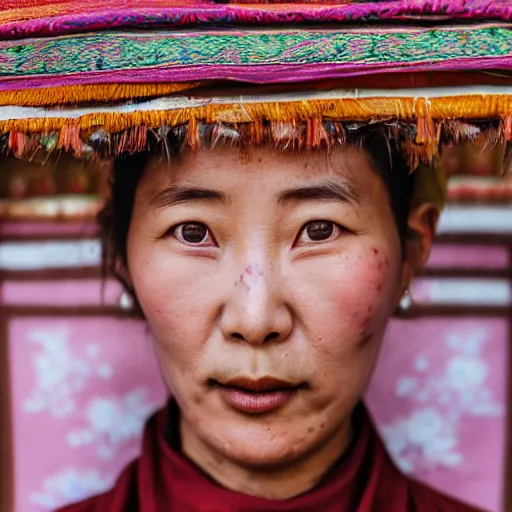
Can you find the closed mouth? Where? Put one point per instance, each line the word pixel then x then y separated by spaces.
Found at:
pixel 262 385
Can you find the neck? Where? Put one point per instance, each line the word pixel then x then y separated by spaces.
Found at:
pixel 275 483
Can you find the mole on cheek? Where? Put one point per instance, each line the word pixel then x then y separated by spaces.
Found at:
pixel 198 398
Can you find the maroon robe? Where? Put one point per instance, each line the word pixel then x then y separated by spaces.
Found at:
pixel 164 480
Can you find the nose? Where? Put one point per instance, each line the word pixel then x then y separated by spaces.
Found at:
pixel 255 311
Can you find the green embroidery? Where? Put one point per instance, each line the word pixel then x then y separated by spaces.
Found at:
pixel 109 51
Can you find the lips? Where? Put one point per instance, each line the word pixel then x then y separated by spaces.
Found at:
pixel 256 396
pixel 262 385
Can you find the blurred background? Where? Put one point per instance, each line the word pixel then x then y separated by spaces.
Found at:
pixel 79 378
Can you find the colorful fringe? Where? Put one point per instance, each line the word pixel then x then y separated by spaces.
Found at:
pixel 32 18
pixel 419 126
pixel 249 56
pixel 482 104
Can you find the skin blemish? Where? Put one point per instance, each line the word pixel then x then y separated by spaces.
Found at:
pixel 250 276
pixel 367 320
pixel 364 341
pixel 198 398
pixel 366 323
pixel 383 264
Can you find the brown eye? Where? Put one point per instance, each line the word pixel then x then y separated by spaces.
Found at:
pixel 193 233
pixel 319 231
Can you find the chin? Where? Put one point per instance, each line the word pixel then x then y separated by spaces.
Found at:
pixel 267 454
pixel 260 444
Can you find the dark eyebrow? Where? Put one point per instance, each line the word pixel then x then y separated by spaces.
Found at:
pixel 329 190
pixel 174 195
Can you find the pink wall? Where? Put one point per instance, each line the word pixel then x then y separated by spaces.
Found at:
pixel 438 396
pixel 82 389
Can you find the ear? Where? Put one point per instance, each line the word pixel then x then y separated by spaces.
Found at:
pixel 422 226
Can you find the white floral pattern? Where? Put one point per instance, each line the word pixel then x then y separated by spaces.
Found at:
pixel 113 421
pixel 79 387
pixel 69 486
pixel 438 402
pixel 59 374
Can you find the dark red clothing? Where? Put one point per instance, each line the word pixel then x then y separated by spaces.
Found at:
pixel 164 480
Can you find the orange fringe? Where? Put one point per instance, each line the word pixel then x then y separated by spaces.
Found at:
pixel 104 93
pixel 366 109
pixel 507 127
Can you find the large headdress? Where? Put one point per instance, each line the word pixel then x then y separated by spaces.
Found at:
pixel 114 77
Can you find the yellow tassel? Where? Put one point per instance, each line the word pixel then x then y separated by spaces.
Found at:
pixel 69 139
pixel 18 144
pixel 313 133
pixel 257 132
pixel 286 135
pixel 425 124
pixel 193 138
pixel 367 109
pixel 507 127
pixel 120 142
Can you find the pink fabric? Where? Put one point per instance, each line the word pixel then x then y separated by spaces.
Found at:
pixel 80 17
pixel 269 74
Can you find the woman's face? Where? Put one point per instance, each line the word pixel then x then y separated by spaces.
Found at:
pixel 267 282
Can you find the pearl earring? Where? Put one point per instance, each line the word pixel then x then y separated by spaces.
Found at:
pixel 406 301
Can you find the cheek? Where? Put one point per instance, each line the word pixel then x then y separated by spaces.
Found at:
pixel 357 298
pixel 376 287
pixel 176 306
pixel 346 324
pixel 166 288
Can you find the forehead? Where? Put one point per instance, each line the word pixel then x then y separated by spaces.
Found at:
pixel 230 168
